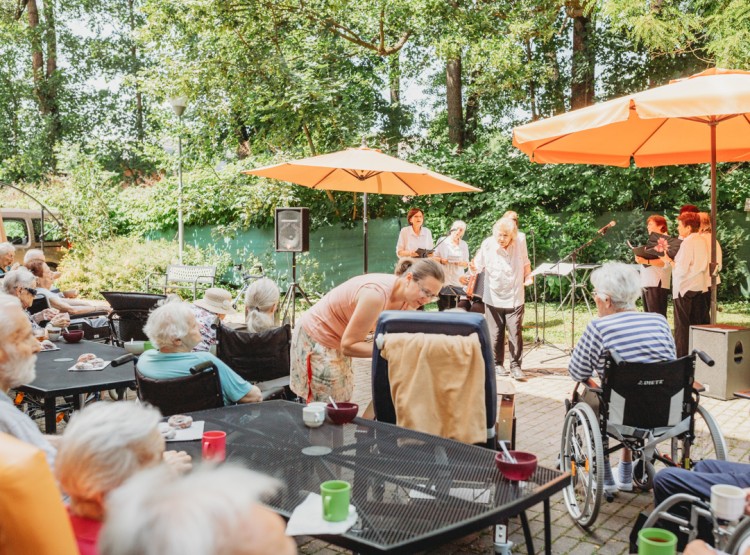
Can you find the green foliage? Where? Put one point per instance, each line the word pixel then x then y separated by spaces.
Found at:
pixel 123 263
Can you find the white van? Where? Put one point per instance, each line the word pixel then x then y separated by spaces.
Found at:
pixel 23 228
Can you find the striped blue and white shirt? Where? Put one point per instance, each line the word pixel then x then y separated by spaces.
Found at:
pixel 636 336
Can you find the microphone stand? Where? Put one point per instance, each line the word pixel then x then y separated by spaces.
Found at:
pixel 572 256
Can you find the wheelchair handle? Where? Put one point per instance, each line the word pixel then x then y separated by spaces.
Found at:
pixel 202 366
pixel 124 359
pixel 704 357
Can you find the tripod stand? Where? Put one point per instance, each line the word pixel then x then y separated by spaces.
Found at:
pixel 291 295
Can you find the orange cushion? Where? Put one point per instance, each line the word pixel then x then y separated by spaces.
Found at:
pixel 33 518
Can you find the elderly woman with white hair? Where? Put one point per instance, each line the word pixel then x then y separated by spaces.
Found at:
pixel 21 284
pixel 173 330
pixel 453 253
pixel 506 264
pixel 261 302
pixel 213 511
pixel 636 336
pixel 103 446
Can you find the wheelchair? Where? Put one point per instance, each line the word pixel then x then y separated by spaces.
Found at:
pixel 642 406
pixel 728 536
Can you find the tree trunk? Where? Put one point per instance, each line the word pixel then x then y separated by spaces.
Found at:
pixel 45 78
pixel 532 83
pixel 394 114
pixel 243 138
pixel 455 103
pixel 472 114
pixel 582 66
pixel 134 67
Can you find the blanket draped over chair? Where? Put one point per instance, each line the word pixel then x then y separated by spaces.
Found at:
pixel 437 384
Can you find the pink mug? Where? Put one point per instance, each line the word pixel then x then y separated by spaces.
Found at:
pixel 214 446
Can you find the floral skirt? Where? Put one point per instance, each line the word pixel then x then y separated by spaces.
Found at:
pixel 319 372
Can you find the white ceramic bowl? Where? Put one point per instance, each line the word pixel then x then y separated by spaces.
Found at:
pixel 135 348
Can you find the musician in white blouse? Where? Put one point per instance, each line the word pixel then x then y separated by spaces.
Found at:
pixel 655 275
pixel 414 236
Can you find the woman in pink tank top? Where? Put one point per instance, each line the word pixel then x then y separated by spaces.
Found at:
pixel 333 331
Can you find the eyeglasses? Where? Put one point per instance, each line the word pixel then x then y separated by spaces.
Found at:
pixel 31 290
pixel 427 294
pixel 602 296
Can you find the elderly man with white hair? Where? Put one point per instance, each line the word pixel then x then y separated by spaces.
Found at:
pixel 18 351
pixel 173 329
pixel 213 511
pixel 507 266
pixel 636 336
pixel 7 255
pixel 103 446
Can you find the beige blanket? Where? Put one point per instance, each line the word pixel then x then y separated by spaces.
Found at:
pixel 437 384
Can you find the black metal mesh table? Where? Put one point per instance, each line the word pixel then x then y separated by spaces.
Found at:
pixel 390 469
pixel 54 380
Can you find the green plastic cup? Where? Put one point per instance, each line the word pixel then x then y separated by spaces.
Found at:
pixel 335 494
pixel 656 541
pixel 147 345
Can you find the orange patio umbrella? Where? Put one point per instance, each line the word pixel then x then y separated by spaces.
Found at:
pixel 363 170
pixel 704 118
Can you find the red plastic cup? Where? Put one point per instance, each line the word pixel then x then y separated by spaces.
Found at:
pixel 214 446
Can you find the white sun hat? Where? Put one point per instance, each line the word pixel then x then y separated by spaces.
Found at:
pixel 217 301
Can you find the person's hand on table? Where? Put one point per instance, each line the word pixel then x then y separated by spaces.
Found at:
pixel 178 461
pixel 61 320
pixel 464 280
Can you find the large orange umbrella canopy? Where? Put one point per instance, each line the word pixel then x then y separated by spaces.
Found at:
pixel 664 126
pixel 704 118
pixel 363 170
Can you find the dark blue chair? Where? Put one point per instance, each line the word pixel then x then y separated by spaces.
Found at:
pixel 447 323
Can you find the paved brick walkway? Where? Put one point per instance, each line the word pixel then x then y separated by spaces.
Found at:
pixel 539 413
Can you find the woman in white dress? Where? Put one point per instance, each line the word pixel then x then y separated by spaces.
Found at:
pixel 453 253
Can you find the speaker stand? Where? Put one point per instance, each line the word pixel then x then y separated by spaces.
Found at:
pixel 291 296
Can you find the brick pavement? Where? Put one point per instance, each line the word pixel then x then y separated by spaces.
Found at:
pixel 540 413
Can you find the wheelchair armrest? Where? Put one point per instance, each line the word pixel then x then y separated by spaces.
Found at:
pixel 119 361
pixel 202 367
pixel 618 360
pixel 742 394
pixel 592 386
pixel 698 387
pixel 704 357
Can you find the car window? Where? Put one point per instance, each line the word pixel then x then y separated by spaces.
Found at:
pixel 15 230
pixel 53 233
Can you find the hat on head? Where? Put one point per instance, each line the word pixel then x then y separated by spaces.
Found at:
pixel 216 300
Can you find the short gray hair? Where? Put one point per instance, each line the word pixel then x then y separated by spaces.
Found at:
pixel 160 513
pixel 105 444
pixel 261 296
pixel 12 373
pixel 34 254
pixel 619 281
pixel 18 278
pixel 459 224
pixel 5 248
pixel 168 322
pixel 506 224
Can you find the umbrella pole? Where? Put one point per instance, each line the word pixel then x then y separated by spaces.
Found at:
pixel 364 224
pixel 712 265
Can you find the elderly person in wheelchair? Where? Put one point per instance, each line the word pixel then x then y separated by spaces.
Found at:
pixel 636 336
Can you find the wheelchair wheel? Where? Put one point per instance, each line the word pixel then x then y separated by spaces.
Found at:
pixel 582 454
pixel 643 475
pixel 740 534
pixel 708 441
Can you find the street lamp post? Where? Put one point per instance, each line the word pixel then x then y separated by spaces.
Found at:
pixel 179 104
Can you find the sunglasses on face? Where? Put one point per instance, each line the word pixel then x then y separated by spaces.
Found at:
pixel 31 290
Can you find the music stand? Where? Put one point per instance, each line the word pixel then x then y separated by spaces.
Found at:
pixel 291 295
pixel 546 269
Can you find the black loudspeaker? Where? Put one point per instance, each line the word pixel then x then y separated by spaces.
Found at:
pixel 292 229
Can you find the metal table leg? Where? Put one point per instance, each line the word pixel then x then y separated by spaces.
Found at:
pixel 547 528
pixel 50 421
pixel 527 533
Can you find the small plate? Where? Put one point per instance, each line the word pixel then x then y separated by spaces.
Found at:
pixel 49 346
pixel 101 366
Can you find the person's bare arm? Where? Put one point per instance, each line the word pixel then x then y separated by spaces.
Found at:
pixel 369 306
pixel 70 308
pixel 252 396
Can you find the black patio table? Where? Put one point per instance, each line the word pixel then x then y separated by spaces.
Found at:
pixel 54 380
pixel 390 469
